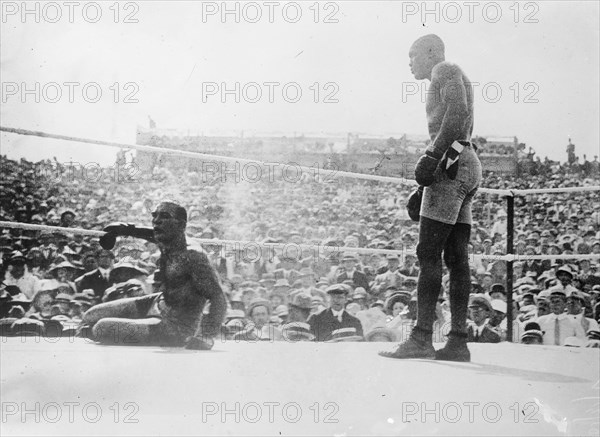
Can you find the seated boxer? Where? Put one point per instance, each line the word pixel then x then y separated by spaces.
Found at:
pixel 187 281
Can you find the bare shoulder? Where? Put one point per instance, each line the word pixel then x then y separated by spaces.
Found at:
pixel 446 71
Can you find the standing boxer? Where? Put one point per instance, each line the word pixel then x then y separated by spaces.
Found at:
pixel 450 171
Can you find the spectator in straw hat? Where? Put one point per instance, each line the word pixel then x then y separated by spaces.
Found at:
pixel 344 335
pixel 63 274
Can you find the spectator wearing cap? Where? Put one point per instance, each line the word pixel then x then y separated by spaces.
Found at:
pixel 558 325
pixel 480 309
pixel 19 276
pixel 99 279
pixel 259 327
pixel 575 306
pixel 351 273
pixel 323 324
pixel 390 278
pixel 409 268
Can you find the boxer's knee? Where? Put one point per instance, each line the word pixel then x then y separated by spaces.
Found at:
pixel 456 254
pixel 92 316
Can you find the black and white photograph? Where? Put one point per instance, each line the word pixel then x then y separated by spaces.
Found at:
pixel 299 218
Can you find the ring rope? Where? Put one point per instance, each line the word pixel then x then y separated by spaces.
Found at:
pixel 197 155
pixel 324 249
pixel 334 174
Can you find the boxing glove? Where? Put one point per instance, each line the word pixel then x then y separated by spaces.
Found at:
pixel 414 204
pixel 426 166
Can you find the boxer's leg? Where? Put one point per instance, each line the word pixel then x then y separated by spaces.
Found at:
pixel 129 308
pixel 456 257
pixel 433 236
pixel 112 330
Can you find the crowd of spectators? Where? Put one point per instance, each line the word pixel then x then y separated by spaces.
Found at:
pixel 51 277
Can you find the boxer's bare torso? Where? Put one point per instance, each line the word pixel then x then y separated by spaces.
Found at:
pixel 449 105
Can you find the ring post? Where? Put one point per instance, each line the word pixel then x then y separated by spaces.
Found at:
pixel 510 204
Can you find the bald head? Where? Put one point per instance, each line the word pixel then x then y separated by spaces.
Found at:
pixel 431 43
pixel 425 53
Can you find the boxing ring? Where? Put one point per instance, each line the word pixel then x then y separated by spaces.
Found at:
pixel 69 386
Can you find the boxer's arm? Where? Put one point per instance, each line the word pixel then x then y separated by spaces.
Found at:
pixel 453 93
pixel 205 280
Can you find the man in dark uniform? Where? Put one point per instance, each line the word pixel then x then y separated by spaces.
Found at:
pixel 174 315
pixel 450 171
pixel 357 277
pixel 480 331
pixel 335 317
pixel 98 279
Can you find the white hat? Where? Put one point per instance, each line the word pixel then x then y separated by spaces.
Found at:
pixel 499 305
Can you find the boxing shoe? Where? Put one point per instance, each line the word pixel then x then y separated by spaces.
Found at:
pixel 418 345
pixel 455 349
